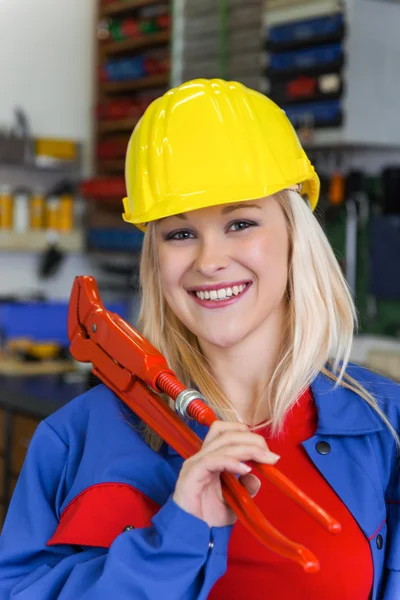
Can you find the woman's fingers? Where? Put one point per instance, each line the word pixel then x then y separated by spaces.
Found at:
pixel 220 427
pixel 229 458
pixel 233 438
pixel 237 440
pixel 226 448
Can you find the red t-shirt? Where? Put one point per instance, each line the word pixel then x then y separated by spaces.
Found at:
pixel 256 573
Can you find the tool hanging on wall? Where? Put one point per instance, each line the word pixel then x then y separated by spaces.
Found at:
pixel 391 190
pixel 58 219
pixel 357 207
pixel 384 253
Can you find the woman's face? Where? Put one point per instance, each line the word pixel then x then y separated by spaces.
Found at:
pixel 224 269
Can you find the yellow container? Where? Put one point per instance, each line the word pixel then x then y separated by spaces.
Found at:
pixel 58 149
pixel 53 213
pixel 66 219
pixel 6 208
pixel 37 208
pixel 44 350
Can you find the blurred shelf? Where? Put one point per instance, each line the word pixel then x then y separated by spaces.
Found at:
pixel 125 6
pixel 39 240
pixel 112 134
pixel 44 167
pixel 39 155
pixel 29 369
pixel 117 125
pixel 327 138
pixel 116 165
pixel 116 239
pixel 153 39
pixel 136 84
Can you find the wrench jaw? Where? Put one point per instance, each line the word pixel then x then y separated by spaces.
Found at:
pixel 88 300
pixel 96 336
pixel 79 309
pixel 74 326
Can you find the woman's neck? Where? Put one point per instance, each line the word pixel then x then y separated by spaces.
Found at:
pixel 245 370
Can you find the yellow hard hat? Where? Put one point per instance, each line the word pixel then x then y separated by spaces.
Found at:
pixel 210 142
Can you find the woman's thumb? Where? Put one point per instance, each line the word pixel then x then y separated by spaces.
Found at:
pixel 251 483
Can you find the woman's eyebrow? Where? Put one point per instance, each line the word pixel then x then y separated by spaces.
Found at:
pixel 180 216
pixel 226 210
pixel 232 207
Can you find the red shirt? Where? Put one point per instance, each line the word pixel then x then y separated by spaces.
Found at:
pixel 256 573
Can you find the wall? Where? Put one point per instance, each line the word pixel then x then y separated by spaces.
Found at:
pixel 18 274
pixel 47 68
pixel 46 64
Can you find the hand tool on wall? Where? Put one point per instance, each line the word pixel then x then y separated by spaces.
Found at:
pixel 357 207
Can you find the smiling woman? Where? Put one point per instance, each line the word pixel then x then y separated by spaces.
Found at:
pixel 243 295
pixel 242 251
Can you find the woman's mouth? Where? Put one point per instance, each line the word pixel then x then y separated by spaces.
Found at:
pixel 220 296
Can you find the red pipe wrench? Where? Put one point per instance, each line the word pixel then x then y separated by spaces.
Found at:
pixel 136 372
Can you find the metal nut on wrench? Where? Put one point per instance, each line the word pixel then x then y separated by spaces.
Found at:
pixel 184 399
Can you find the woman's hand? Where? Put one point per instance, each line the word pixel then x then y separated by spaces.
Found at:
pixel 198 489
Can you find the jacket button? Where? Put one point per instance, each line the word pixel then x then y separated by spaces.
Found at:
pixel 323 447
pixel 128 528
pixel 211 545
pixel 379 541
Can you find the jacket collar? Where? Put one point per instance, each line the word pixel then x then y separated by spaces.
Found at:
pixel 341 411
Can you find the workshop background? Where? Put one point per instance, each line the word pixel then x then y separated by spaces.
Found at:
pixel 75 77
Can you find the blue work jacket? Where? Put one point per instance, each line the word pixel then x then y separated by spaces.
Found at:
pixel 84 459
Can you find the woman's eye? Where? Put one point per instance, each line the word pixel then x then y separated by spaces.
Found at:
pixel 179 235
pixel 240 225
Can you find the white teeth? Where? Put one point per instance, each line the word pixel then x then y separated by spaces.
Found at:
pixel 222 293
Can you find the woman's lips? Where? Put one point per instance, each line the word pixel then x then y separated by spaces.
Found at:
pixel 223 302
pixel 218 286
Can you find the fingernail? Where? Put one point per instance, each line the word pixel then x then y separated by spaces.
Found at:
pixel 272 457
pixel 246 468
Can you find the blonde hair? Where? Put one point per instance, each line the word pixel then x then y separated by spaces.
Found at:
pixel 320 323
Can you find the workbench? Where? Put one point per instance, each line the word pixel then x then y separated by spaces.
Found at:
pixel 24 402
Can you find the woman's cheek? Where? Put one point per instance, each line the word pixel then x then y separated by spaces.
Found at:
pixel 172 269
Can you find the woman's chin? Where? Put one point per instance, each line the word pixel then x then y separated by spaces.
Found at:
pixel 220 339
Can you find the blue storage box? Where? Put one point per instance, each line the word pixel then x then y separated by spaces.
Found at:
pixel 317 114
pixel 384 276
pixel 125 69
pixel 115 239
pixel 42 321
pixel 317 58
pixel 306 32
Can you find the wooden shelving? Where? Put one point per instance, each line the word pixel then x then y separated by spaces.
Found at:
pixel 145 41
pixel 36 241
pixel 116 8
pixel 117 125
pixel 148 55
pixel 111 166
pixel 136 84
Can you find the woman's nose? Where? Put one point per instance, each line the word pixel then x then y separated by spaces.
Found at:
pixel 211 258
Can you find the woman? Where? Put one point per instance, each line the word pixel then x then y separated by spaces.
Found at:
pixel 243 295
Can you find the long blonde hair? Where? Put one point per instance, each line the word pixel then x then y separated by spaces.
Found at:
pixel 320 323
